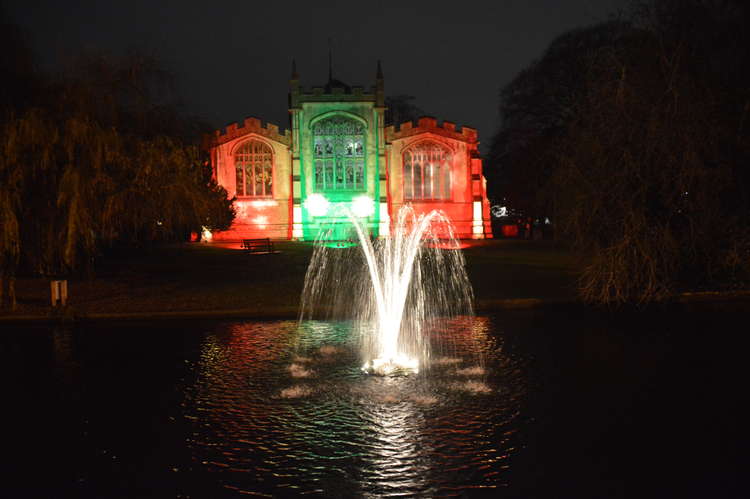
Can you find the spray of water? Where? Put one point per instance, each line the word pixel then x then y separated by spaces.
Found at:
pixel 396 288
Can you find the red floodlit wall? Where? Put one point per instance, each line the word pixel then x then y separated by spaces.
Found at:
pixel 271 216
pixel 256 217
pixel 467 183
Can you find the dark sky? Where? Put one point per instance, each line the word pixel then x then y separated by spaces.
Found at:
pixel 233 58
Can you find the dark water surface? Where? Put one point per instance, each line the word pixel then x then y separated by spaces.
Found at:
pixel 554 403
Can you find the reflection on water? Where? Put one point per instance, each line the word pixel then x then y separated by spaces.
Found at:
pixel 570 404
pixel 283 408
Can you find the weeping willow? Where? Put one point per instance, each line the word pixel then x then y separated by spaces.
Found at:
pixel 70 186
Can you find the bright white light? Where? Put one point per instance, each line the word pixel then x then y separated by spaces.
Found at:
pixel 261 221
pixel 499 211
pixel 263 203
pixel 316 205
pixel 384 219
pixel 206 234
pixel 363 206
pixel 242 208
pixel 384 367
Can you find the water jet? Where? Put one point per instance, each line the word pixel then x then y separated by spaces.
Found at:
pixel 396 289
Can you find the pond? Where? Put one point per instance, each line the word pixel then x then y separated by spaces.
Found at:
pixel 560 403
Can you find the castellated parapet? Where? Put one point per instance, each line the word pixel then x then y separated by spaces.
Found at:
pixel 251 125
pixel 427 124
pixel 337 94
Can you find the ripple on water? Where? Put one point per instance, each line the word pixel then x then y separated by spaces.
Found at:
pixel 471 371
pixel 473 387
pixel 445 361
pixel 290 403
pixel 424 400
pixel 300 371
pixel 329 350
pixel 297 391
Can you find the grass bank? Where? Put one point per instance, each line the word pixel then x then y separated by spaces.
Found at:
pixel 222 280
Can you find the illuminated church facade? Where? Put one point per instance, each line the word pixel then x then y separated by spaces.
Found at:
pixel 339 153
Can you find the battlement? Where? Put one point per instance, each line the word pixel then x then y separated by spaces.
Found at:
pixel 343 94
pixel 250 125
pixel 428 124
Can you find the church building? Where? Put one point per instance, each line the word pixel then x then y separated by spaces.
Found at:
pixel 339 154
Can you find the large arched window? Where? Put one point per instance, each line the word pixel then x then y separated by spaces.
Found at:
pixel 427 172
pixel 253 163
pixel 339 152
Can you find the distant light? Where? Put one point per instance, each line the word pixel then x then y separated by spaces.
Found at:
pixel 363 206
pixel 206 234
pixel 499 211
pixel 159 222
pixel 316 205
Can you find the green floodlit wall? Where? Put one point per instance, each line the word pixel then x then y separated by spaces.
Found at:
pixel 311 113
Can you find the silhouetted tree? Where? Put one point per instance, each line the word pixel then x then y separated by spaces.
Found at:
pixel 400 109
pixel 100 158
pixel 645 168
pixel 17 86
pixel 536 109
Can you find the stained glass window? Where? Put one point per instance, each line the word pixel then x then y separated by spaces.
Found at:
pixel 427 172
pixel 339 154
pixel 253 164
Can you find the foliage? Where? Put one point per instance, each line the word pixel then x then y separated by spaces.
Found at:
pixel 644 168
pixel 102 157
pixel 536 108
pixel 400 109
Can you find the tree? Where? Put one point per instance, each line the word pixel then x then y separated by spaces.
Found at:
pixel 16 92
pixel 99 159
pixel 400 109
pixel 536 108
pixel 651 180
pixel 647 174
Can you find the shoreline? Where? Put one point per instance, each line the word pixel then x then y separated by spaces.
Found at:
pixel 293 313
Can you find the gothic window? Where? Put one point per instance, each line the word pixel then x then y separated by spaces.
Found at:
pixel 427 172
pixel 339 154
pixel 253 164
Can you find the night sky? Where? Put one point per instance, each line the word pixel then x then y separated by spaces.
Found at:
pixel 233 59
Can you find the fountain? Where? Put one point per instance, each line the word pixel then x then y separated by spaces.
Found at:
pixel 397 289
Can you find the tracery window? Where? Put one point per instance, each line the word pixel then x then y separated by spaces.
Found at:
pixel 253 163
pixel 427 172
pixel 339 154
